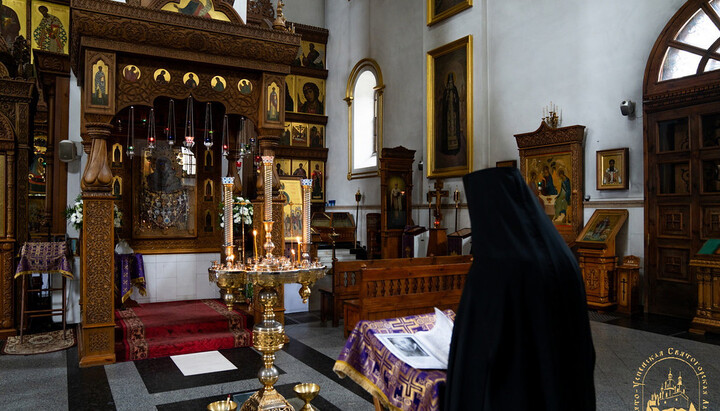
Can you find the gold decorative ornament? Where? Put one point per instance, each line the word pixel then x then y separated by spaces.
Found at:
pixel 307 392
pixel 269 273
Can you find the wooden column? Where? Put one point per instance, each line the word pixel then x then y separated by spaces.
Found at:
pixel 97 336
pixel 16 96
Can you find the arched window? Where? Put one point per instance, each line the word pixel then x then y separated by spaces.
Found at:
pixel 694 47
pixel 364 95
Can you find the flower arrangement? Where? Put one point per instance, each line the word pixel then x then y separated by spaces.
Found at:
pixel 74 214
pixel 242 212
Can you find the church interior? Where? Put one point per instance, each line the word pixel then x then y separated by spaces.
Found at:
pixel 213 204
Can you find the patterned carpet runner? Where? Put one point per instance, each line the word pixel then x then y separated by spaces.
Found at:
pixel 178 327
pixel 41 343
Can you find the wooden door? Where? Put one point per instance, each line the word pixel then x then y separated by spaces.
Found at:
pixel 683 201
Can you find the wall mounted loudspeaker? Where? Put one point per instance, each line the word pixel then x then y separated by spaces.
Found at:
pixel 67 151
pixel 627 108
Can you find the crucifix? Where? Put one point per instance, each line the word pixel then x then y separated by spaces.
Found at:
pixel 438 195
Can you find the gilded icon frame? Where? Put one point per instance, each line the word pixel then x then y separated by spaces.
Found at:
pixel 612 181
pixel 595 232
pixel 436 16
pixel 292 195
pixel 441 62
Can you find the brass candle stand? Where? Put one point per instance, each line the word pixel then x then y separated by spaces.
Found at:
pixel 269 273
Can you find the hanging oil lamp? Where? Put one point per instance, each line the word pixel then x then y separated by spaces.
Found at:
pixel 225 142
pixel 151 138
pixel 171 124
pixel 208 135
pixel 131 133
pixel 189 124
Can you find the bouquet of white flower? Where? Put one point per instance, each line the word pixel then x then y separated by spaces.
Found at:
pixel 74 214
pixel 242 212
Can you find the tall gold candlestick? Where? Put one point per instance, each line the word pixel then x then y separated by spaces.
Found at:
pixel 267 180
pixel 227 183
pixel 255 244
pixel 306 188
pixel 268 223
pixel 298 253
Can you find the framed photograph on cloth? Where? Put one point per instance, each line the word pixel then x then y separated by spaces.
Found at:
pixel 439 10
pixel 449 109
pixel 612 169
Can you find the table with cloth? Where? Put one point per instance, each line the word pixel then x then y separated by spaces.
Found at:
pixel 40 258
pixel 129 273
pixel 44 257
pixel 392 382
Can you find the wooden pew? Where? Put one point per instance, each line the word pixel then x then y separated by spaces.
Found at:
pixel 403 291
pixel 346 278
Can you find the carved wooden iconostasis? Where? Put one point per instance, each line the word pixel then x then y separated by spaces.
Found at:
pixel 16 96
pixel 32 179
pixel 302 151
pixel 131 61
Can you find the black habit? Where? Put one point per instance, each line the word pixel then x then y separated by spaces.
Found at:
pixel 522 337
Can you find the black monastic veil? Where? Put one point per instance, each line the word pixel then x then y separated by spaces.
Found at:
pixel 522 336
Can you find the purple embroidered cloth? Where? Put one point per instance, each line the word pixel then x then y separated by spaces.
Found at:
pixel 44 258
pixel 129 272
pixel 394 383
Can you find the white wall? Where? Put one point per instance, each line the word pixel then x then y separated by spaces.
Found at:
pixel 584 56
pixel 393 32
pixel 310 12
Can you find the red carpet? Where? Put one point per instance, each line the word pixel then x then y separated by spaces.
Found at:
pixel 178 327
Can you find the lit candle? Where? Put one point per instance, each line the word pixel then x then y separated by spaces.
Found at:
pixel 292 252
pixel 298 253
pixel 255 244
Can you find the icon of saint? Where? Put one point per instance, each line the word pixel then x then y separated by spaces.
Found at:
pixel 450 129
pixel 50 35
pixel 312 103
pixel 99 95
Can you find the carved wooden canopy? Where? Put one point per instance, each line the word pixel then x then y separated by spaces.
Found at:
pixel 123 28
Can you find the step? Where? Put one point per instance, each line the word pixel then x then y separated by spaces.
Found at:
pixel 184 344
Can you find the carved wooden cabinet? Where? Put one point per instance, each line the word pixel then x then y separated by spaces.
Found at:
pixel 628 286
pixel 324 224
pixel 372 232
pixel 706 268
pixel 598 258
pixel 396 198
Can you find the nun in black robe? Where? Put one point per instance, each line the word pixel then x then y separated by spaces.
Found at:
pixel 522 338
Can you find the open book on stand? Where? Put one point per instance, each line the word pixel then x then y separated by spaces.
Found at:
pixel 424 349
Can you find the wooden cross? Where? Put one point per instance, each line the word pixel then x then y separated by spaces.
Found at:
pixel 438 194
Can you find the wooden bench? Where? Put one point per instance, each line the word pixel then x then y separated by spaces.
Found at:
pixel 346 279
pixel 403 291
